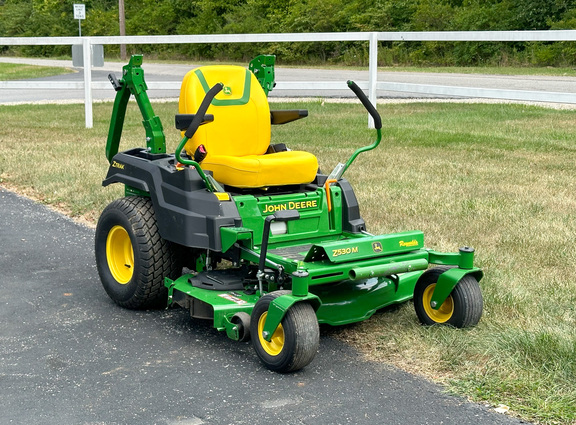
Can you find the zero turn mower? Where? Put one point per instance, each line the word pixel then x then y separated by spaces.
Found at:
pixel 251 235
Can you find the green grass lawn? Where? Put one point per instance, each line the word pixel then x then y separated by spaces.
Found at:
pixel 12 71
pixel 500 178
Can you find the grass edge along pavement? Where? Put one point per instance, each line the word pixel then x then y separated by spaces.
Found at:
pixel 496 177
pixel 12 71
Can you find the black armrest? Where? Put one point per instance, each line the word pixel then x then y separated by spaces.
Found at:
pixel 183 121
pixel 283 117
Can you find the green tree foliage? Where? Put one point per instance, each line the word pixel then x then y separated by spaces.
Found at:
pixel 149 17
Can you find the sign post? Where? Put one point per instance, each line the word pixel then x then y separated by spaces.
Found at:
pixel 79 13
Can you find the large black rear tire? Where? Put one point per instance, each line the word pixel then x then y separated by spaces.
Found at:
pixel 131 256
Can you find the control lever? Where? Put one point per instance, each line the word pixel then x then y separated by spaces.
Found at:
pixel 114 81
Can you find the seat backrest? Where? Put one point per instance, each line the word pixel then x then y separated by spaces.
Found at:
pixel 241 113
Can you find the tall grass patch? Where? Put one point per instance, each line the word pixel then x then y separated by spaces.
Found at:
pixel 500 178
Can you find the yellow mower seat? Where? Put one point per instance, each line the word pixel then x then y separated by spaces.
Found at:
pixel 239 137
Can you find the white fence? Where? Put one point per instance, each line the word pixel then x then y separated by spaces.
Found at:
pixel 372 85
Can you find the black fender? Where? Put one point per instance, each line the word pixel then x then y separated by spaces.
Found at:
pixel 186 212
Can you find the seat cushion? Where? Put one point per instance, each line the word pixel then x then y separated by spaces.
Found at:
pixel 252 171
pixel 238 138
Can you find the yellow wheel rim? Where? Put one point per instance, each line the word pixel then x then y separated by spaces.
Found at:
pixel 274 347
pixel 446 310
pixel 120 255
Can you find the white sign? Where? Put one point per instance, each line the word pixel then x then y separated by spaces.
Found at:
pixel 79 11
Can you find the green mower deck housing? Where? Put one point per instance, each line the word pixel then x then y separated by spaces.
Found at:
pixel 266 263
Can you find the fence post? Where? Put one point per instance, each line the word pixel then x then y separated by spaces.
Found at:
pixel 87 53
pixel 372 72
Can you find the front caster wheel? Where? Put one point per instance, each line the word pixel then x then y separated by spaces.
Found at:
pixel 294 343
pixel 131 257
pixel 462 309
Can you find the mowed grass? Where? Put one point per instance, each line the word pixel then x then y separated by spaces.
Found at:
pixel 500 178
pixel 12 71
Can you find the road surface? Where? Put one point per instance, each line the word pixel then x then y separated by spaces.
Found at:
pixel 69 355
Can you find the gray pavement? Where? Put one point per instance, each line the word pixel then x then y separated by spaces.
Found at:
pixel 69 355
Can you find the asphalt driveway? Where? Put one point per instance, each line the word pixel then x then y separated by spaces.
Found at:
pixel 68 355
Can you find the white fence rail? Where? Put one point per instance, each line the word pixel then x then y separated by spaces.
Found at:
pixel 371 85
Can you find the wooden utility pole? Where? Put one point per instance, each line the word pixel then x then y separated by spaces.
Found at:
pixel 122 20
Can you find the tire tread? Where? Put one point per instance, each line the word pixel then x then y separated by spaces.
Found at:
pixel 301 321
pixel 467 296
pixel 158 258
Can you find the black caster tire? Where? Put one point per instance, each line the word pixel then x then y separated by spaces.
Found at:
pixel 462 309
pixel 131 257
pixel 294 343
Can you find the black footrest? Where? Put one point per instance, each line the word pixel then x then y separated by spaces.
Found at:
pixel 219 280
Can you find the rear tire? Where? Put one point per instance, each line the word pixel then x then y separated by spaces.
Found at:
pixel 294 343
pixel 462 309
pixel 131 256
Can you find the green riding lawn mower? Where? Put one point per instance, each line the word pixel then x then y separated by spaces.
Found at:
pixel 252 236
